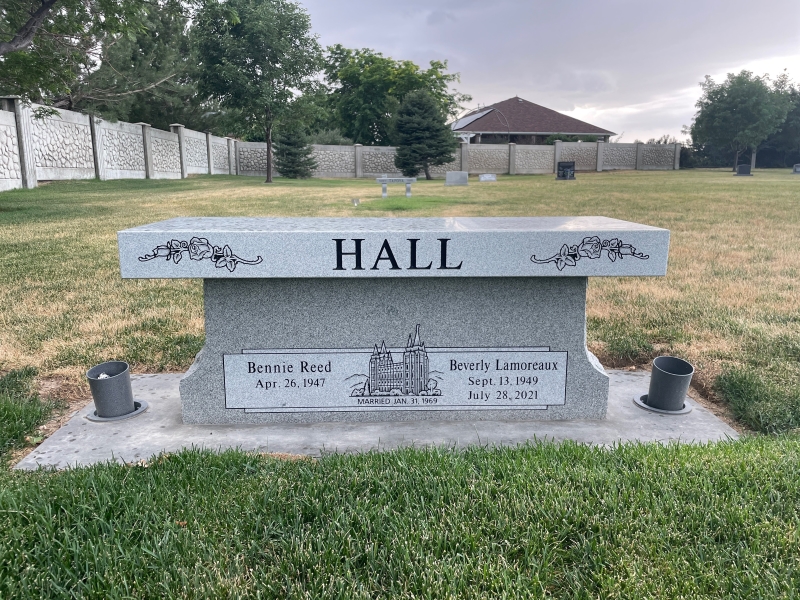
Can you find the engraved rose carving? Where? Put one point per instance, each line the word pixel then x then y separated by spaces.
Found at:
pixel 200 248
pixel 591 247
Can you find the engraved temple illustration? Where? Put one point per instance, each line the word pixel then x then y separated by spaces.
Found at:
pixel 409 377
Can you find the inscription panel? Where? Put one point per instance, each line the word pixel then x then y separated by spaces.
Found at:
pixel 381 378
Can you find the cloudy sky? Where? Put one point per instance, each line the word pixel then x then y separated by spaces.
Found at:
pixel 628 66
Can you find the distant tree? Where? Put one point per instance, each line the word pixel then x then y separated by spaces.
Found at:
pixel 741 112
pixel 423 137
pixel 293 157
pixel 45 45
pixel 664 139
pixel 330 137
pixel 367 89
pixel 256 57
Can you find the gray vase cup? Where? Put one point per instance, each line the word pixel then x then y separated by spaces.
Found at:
pixel 669 383
pixel 113 396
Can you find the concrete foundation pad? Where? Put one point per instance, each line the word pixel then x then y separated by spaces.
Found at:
pixel 81 442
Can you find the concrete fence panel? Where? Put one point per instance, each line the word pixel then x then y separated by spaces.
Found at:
pixel 10 167
pixel 196 152
pixel 121 150
pixel 166 154
pixel 533 160
pixel 619 156
pixel 219 155
pixel 62 146
pixel 488 158
pixel 379 160
pixel 657 157
pixel 251 158
pixel 583 153
pixel 335 161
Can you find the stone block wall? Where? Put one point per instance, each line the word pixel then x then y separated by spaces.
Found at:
pixel 619 156
pixel 251 158
pixel 334 161
pixel 379 161
pixel 10 168
pixel 583 153
pixel 121 150
pixel 488 158
pixel 166 154
pixel 219 156
pixel 71 145
pixel 196 152
pixel 63 146
pixel 532 160
pixel 657 157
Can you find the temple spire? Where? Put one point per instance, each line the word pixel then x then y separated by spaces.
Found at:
pixel 416 337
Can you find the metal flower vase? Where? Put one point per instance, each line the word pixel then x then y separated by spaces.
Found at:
pixel 110 383
pixel 669 384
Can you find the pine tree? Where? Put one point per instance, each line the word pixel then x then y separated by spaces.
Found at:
pixel 424 138
pixel 293 157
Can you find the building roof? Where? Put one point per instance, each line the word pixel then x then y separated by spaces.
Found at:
pixel 517 115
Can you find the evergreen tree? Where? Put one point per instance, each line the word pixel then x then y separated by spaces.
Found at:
pixel 293 157
pixel 424 138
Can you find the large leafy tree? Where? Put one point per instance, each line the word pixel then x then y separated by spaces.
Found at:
pixel 45 45
pixel 741 112
pixel 784 144
pixel 367 89
pixel 423 136
pixel 147 75
pixel 256 57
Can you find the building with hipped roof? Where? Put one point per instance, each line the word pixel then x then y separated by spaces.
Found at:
pixel 521 122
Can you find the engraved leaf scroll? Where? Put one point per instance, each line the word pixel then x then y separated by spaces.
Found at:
pixel 592 248
pixel 199 249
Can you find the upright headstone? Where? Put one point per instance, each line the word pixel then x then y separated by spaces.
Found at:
pixel 566 171
pixel 456 178
pixel 393 319
pixel 796 170
pixel 743 170
pixel 487 177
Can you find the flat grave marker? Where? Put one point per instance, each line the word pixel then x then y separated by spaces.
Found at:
pixel 393 319
pixel 487 177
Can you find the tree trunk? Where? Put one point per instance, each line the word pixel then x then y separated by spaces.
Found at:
pixel 753 160
pixel 268 135
pixel 736 161
pixel 427 171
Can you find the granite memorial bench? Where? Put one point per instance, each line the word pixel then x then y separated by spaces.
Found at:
pixel 324 319
pixel 384 181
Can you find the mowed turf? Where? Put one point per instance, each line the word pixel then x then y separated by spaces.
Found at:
pixel 730 302
pixel 543 521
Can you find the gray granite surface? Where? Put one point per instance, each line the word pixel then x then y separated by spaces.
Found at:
pixel 456 178
pixel 392 248
pixel 81 442
pixel 466 313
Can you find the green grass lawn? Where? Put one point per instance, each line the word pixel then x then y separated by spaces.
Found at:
pixel 730 302
pixel 556 521
pixel 545 520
